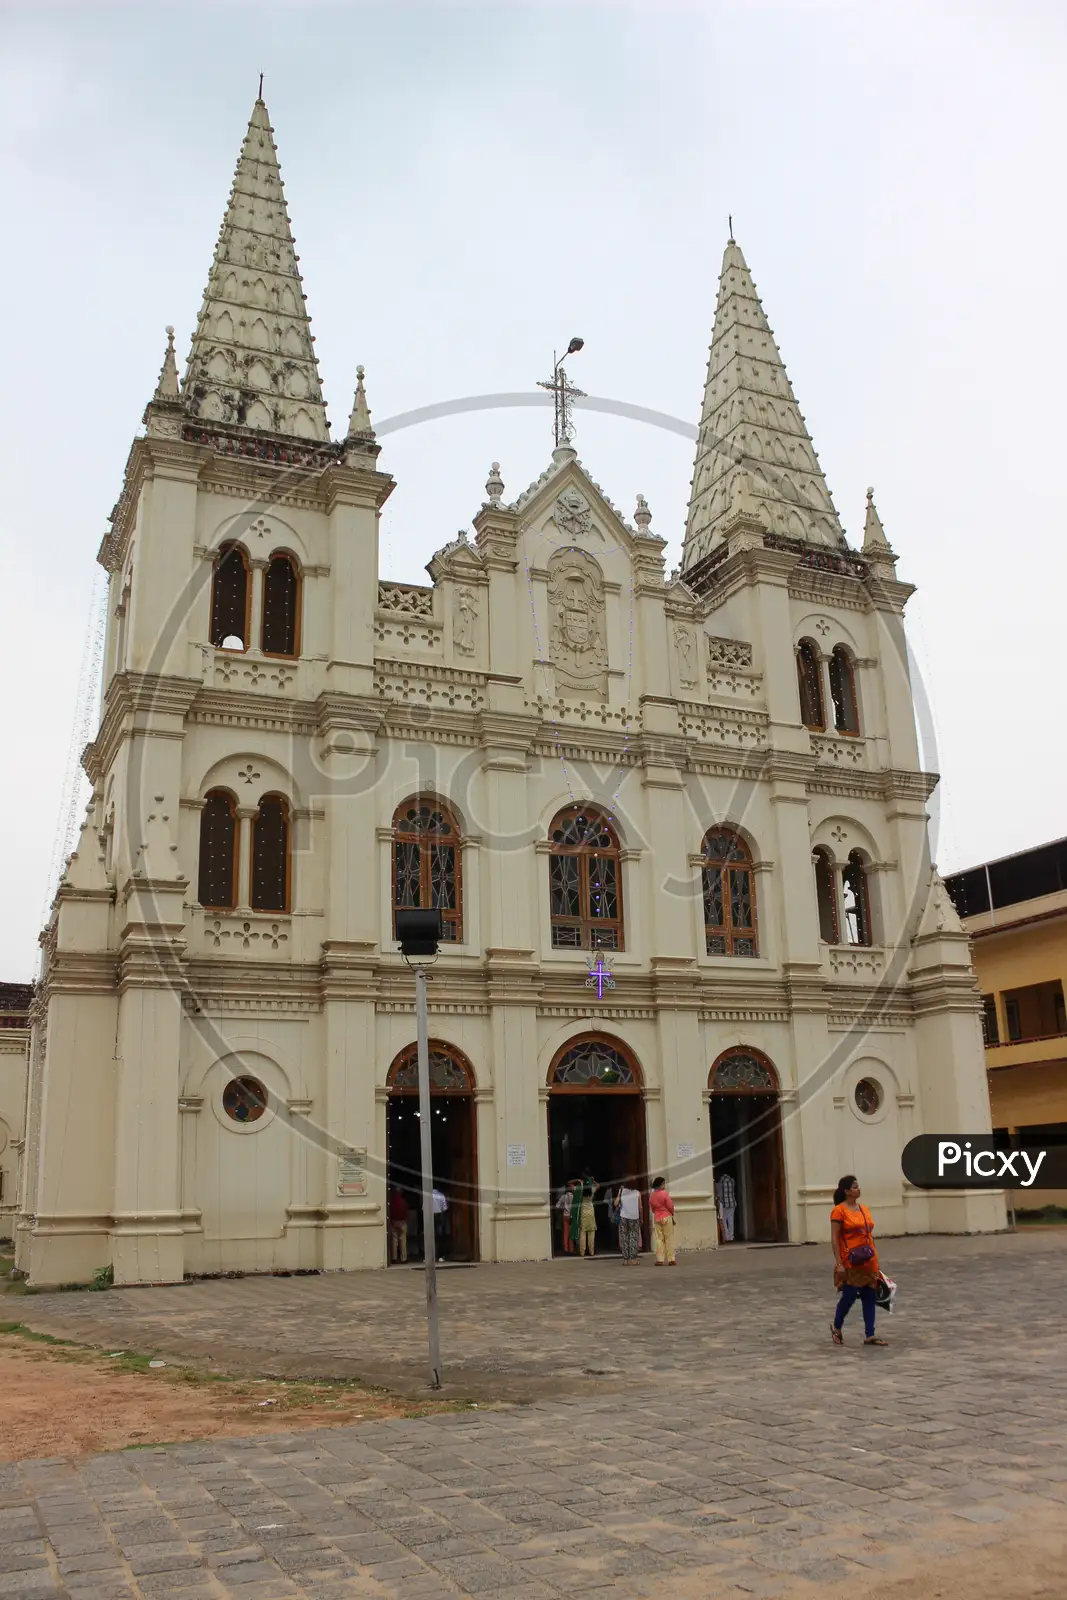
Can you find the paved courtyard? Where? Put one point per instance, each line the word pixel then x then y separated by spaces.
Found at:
pixel 689 1433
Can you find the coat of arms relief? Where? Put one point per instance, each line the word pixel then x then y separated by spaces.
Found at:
pixel 576 610
pixel 573 515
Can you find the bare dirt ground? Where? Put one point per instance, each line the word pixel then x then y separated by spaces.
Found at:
pixel 1029 1568
pixel 61 1400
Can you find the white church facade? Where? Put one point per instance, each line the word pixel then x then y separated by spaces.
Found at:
pixel 706 785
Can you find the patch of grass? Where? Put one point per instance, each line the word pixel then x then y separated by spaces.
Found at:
pixel 1045 1214
pixel 23 1332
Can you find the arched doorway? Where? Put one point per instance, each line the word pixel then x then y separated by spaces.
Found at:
pixel 453 1146
pixel 596 1125
pixel 746 1143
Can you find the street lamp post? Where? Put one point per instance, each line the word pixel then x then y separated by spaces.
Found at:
pixel 418 933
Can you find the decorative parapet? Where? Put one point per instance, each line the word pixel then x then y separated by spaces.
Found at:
pixel 420 684
pixel 839 752
pixel 865 962
pixel 722 725
pixel 848 565
pixel 728 653
pixel 406 599
pixel 232 934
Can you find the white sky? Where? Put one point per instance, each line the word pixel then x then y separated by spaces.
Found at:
pixel 471 185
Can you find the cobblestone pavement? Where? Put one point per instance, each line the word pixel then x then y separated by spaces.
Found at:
pixel 720 1446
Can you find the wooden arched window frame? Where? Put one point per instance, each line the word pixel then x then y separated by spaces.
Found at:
pixel 595 1061
pixel 279 632
pixel 585 881
pixel 450 1071
pixel 231 597
pixel 843 692
pixel 427 863
pixel 809 684
pixel 729 886
pixel 826 894
pixel 271 872
pixel 856 900
pixel 743 1070
pixel 217 870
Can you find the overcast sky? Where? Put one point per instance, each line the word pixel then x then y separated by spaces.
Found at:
pixel 470 186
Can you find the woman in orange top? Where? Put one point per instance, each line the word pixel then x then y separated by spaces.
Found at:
pixel 855 1259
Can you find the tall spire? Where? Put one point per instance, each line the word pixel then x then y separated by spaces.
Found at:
pixel 252 361
pixel 751 425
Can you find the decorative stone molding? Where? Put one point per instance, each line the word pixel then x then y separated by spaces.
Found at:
pixel 743 730
pixel 416 683
pixel 727 653
pixel 191 1103
pixel 840 750
pixel 856 961
pixel 258 933
pixel 577 622
pixel 406 599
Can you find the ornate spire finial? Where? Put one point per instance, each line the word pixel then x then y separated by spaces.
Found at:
pixel 494 485
pixel 643 516
pixel 359 424
pixel 730 220
pixel 260 94
pixel 564 392
pixel 874 538
pixel 167 387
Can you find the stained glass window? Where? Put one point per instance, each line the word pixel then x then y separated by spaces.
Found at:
pixel 270 855
pixel 729 895
pixel 448 1074
pixel 584 877
pixel 218 852
pixel 229 597
pixel 809 682
pixel 593 1063
pixel 244 1099
pixel 868 1096
pixel 426 863
pixel 280 633
pixel 742 1072
pixel 843 692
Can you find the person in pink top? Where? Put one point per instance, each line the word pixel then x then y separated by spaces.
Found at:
pixel 662 1208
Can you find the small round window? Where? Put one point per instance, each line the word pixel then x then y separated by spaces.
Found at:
pixel 868 1096
pixel 244 1099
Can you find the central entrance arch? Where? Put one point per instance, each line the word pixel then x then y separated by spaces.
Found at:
pixel 746 1143
pixel 596 1124
pixel 453 1144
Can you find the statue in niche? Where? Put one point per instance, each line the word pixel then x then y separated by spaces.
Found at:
pixel 683 643
pixel 464 618
pixel 576 622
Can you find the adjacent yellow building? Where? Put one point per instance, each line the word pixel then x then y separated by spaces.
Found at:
pixel 1015 911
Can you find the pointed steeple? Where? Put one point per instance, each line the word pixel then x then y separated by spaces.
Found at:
pixel 252 361
pixel 874 538
pixel 164 412
pixel 167 387
pixel 359 426
pixel 751 425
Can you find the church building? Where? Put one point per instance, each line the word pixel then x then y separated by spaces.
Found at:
pixel 675 823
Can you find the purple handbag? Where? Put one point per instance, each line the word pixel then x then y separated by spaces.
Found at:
pixel 860 1254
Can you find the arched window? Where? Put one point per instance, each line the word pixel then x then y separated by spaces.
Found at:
pixel 280 633
pixel 585 882
pixel 729 895
pixel 743 1072
pixel 217 884
pixel 592 1063
pixel 809 682
pixel 843 692
pixel 230 596
pixel 826 895
pixel 856 900
pixel 450 1072
pixel 270 855
pixel 426 864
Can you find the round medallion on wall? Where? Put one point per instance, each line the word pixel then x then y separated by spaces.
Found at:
pixel 868 1096
pixel 244 1100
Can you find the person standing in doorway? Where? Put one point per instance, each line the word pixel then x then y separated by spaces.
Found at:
pixel 855 1259
pixel 726 1204
pixel 440 1222
pixel 629 1203
pixel 398 1226
pixel 662 1207
pixel 586 1219
pixel 564 1206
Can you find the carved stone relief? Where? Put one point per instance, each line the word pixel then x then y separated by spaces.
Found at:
pixel 464 619
pixel 684 646
pixel 573 515
pixel 576 610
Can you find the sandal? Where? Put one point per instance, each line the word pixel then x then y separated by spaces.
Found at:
pixel 836 1335
pixel 883 1342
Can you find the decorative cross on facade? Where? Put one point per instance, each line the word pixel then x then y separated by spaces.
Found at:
pixel 564 391
pixel 600 977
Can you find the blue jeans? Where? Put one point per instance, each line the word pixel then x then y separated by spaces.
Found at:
pixel 849 1295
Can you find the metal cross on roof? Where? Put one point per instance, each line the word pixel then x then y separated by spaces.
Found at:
pixel 599 977
pixel 564 391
